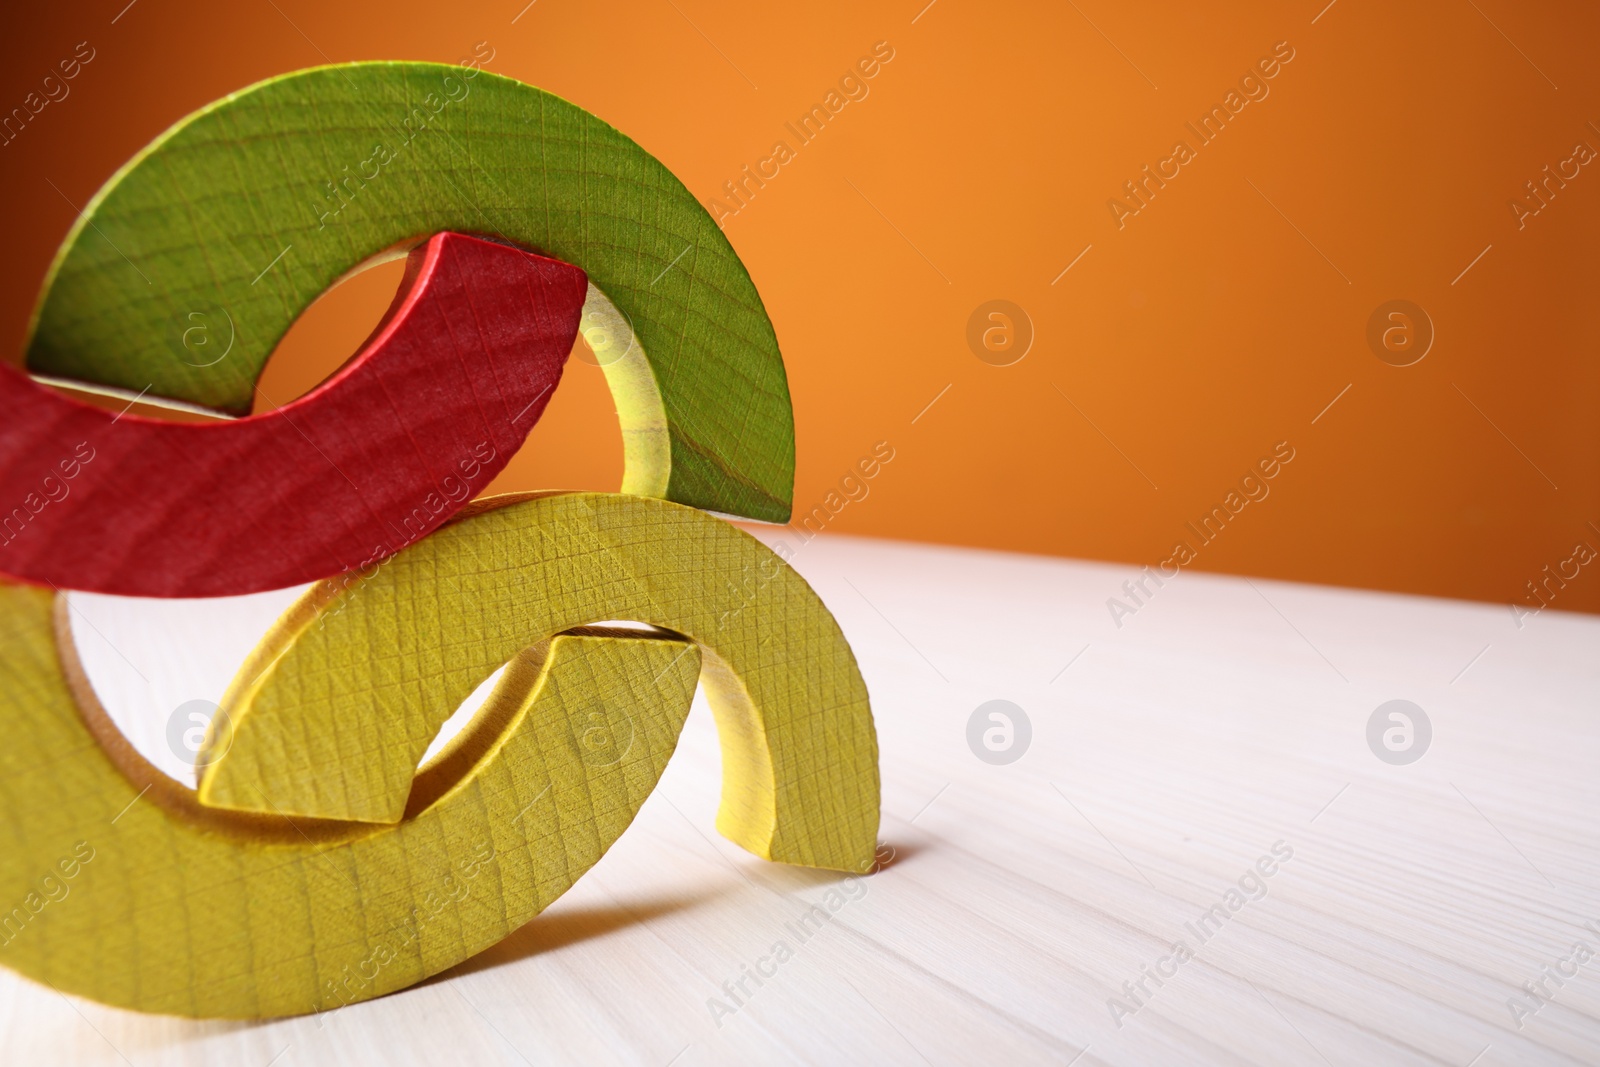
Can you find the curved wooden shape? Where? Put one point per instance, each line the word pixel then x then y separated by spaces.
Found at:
pixel 646 440
pixel 257 203
pixel 119 884
pixel 140 897
pixel 338 703
pixel 386 450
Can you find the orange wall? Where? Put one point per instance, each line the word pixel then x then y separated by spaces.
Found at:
pixel 1215 323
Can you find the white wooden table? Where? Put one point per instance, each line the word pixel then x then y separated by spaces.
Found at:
pixel 1167 758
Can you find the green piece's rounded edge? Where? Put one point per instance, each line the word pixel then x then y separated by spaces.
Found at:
pixel 180 243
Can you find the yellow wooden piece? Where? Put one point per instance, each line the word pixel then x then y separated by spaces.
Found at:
pixel 175 908
pixel 341 700
pixel 118 884
pixel 641 412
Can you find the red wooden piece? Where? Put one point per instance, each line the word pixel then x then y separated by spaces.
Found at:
pixel 415 425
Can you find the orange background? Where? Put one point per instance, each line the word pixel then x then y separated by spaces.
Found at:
pixel 1220 320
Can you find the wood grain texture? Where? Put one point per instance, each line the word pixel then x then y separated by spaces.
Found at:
pixel 417 423
pixel 254 205
pixel 259 896
pixel 183 910
pixel 1167 757
pixel 336 706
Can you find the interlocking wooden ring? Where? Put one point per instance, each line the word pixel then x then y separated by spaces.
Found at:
pixel 316 865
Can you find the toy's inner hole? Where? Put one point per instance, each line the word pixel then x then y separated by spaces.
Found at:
pixel 466 716
pixel 577 443
pixel 328 333
pixel 158 668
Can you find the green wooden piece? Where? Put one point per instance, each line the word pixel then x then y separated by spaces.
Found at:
pixel 246 211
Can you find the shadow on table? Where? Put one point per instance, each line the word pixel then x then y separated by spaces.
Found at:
pixel 559 927
pixel 783 878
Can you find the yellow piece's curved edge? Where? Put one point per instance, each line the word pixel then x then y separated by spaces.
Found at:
pixel 120 885
pixel 117 885
pixel 343 697
pixel 641 412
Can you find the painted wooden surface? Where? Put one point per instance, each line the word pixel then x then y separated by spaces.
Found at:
pixel 415 425
pixel 265 895
pixel 1168 757
pixel 250 208
pixel 334 710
